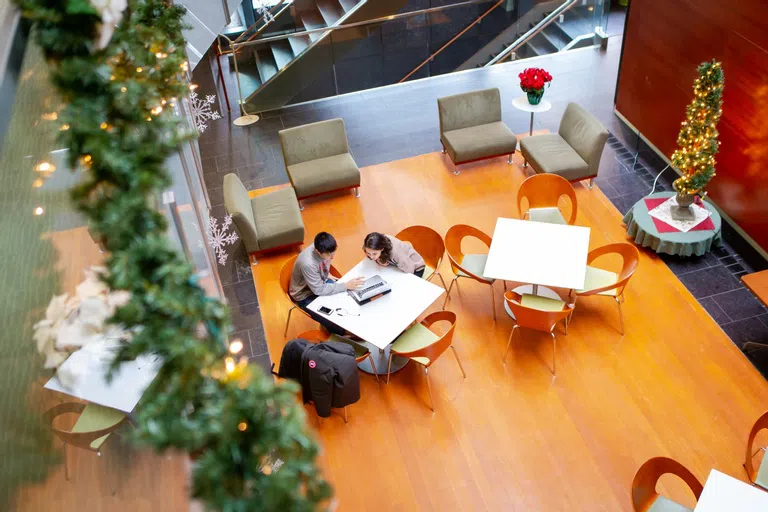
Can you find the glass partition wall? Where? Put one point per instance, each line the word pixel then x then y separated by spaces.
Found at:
pixel 46 247
pixel 305 65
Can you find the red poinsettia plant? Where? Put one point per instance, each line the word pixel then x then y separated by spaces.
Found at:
pixel 534 79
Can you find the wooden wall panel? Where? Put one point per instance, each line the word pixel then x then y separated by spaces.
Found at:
pixel 664 42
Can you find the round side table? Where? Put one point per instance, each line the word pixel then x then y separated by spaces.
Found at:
pixel 641 227
pixel 521 103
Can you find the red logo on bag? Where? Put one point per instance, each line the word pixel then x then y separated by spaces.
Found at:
pixel 312 363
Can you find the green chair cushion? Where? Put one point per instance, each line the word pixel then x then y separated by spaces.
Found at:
pixel 481 141
pixel 541 303
pixel 475 263
pixel 597 278
pixel 360 350
pixel 550 153
pixel 428 271
pixel 662 504
pixel 324 175
pixel 95 417
pixel 762 472
pixel 278 219
pixel 414 338
pixel 549 215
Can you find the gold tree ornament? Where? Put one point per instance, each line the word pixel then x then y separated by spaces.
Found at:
pixel 697 140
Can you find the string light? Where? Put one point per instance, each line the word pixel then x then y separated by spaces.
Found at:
pixel 192 87
pixel 45 167
pixel 64 127
pixel 103 126
pixel 161 55
pixel 39 211
pixel 139 70
pixel 38 183
pixel 236 346
pixel 184 66
pixel 123 89
pixel 155 111
pixel 242 426
pixel 50 116
pixel 229 364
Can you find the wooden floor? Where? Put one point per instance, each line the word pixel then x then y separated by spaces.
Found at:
pixel 513 437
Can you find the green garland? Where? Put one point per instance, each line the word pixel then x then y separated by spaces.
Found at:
pixel 232 418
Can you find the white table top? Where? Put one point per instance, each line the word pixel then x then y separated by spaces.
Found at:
pixel 538 253
pixel 521 103
pixel 724 493
pixel 384 319
pixel 122 393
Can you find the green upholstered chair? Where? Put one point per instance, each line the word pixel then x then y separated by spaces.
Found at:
pixel 423 346
pixel 644 495
pixel 429 244
pixel 93 427
pixel 759 475
pixel 318 160
pixel 467 265
pixel 605 282
pixel 266 222
pixel 471 127
pixel 573 152
pixel 539 195
pixel 537 313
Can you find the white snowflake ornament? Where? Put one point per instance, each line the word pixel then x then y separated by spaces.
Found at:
pixel 218 237
pixel 202 111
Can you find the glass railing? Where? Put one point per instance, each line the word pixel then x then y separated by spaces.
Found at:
pixel 403 45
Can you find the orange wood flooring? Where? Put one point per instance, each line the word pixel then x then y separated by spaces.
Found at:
pixel 512 437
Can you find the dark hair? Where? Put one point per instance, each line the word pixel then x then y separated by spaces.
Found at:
pixel 325 243
pixel 379 242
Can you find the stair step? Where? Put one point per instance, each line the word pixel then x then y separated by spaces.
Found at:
pixel 330 10
pixel 249 77
pixel 348 5
pixel 555 37
pixel 282 53
pixel 311 21
pixel 298 43
pixel 266 64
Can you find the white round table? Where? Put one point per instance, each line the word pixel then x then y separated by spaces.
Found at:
pixel 521 103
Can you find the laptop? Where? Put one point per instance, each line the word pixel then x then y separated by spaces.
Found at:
pixel 372 288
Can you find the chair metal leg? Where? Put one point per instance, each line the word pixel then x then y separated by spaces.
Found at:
pixel 389 366
pixel 252 259
pixel 554 360
pixel 619 300
pixel 457 360
pixel 591 182
pixel 301 205
pixel 429 388
pixel 346 420
pixel 288 322
pixel 373 366
pixel 509 159
pixel 493 303
pixel 66 464
pixel 448 295
pixel 357 191
pixel 442 151
pixel 456 170
pixel 509 343
pixel 438 274
pixel 525 163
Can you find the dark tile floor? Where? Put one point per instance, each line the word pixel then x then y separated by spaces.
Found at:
pixel 401 121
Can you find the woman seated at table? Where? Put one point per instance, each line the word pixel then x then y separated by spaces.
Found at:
pixel 387 251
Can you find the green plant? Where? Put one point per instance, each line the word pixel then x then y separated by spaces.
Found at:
pixel 118 94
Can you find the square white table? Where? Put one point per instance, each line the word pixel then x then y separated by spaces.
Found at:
pixel 384 319
pixel 725 493
pixel 538 253
pixel 124 391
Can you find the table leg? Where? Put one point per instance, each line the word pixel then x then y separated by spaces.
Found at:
pixel 381 360
pixel 530 130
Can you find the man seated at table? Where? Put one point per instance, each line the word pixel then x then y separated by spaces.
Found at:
pixel 311 278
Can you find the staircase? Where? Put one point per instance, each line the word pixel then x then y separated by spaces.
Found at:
pixel 204 19
pixel 274 72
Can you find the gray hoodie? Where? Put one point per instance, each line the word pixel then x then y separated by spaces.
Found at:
pixel 309 276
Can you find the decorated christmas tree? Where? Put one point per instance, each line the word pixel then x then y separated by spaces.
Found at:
pixel 698 135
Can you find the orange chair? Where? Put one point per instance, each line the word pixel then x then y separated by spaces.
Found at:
pixel 285 284
pixel 542 192
pixel 427 242
pixel 420 344
pixel 603 282
pixel 644 495
pixel 757 476
pixel 537 313
pixel 467 265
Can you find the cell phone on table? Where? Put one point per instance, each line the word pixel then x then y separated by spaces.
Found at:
pixel 325 310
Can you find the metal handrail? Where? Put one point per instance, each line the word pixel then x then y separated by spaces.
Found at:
pixel 550 18
pixel 446 45
pixel 362 23
pixel 286 4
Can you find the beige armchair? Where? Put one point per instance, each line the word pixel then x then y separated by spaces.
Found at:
pixel 266 222
pixel 318 160
pixel 573 152
pixel 471 128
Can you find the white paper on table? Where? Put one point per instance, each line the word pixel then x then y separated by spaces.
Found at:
pixel 663 212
